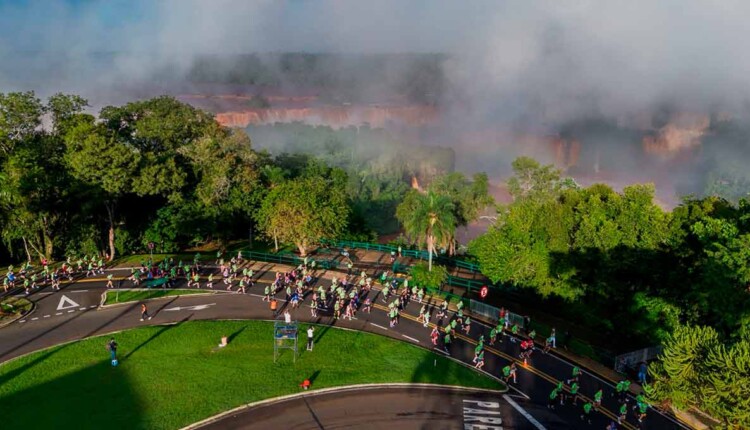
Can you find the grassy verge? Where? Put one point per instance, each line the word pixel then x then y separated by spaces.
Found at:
pixel 115 296
pixel 171 376
pixel 11 307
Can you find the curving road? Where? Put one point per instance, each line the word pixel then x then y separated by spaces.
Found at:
pixel 75 316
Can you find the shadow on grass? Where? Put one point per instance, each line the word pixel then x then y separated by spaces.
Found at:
pixel 161 331
pixel 97 397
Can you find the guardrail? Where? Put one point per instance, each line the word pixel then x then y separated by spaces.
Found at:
pixel 413 253
pixel 631 359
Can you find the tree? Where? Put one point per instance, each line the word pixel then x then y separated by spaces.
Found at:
pixel 696 369
pixel 302 211
pixel 20 119
pixel 531 179
pixel 468 197
pixel 427 218
pixel 134 149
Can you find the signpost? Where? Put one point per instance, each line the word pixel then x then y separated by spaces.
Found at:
pixel 284 337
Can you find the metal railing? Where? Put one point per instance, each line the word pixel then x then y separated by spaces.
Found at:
pixel 630 360
pixel 412 253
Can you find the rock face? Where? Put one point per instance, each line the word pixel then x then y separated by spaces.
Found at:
pixel 683 132
pixel 334 116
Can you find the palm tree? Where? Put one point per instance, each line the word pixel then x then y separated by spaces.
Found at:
pixel 427 218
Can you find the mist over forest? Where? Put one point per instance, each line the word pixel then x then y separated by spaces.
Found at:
pixel 618 93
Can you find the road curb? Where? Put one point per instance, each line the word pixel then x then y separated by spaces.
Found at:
pixel 102 306
pixel 11 321
pixel 345 388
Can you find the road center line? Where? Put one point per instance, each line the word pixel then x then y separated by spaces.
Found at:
pixel 523 412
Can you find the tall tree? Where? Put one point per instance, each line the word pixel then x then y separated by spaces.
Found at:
pixel 304 210
pixel 428 218
pixel 133 149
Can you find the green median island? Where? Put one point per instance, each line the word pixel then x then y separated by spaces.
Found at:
pixel 174 375
pixel 134 295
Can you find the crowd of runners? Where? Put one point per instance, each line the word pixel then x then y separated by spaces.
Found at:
pixel 30 278
pixel 342 299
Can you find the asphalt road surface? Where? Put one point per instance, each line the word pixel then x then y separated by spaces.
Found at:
pixel 72 314
pixel 391 408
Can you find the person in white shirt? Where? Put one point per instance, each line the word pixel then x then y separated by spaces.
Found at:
pixel 310 335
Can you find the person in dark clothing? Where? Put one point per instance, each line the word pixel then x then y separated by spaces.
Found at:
pixel 112 347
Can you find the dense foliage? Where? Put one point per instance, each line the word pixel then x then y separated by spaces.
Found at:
pixel 162 171
pixel 617 259
pixel 697 370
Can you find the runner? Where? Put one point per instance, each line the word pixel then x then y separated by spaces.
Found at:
pixel 510 372
pixel 586 415
pixel 240 289
pixel 493 335
pixel 574 375
pixel 552 399
pixel 598 399
pixel 267 294
pixel 367 306
pixel 574 393
pixel 426 318
pixel 479 360
pixel 467 325
pixel 313 305
pixel 109 281
pixel 642 409
pixel 210 283
pixel 434 335
pixel 144 312
pixel 623 413
pixel 447 343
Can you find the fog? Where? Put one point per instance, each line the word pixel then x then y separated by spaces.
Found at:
pixel 511 68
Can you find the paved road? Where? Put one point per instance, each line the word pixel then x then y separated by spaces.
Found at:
pixel 57 320
pixel 391 408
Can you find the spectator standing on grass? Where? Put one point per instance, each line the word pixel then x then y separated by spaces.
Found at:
pixel 287 317
pixel 112 348
pixel 274 305
pixel 310 337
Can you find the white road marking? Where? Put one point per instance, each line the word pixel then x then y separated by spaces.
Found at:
pixel 82 309
pixel 191 308
pixel 410 338
pixel 66 303
pixel 59 313
pixel 523 412
pixel 440 350
pixel 518 391
pixel 92 306
pixel 22 321
pixel 72 310
pixel 46 316
pixel 76 291
pixel 35 318
pixel 379 326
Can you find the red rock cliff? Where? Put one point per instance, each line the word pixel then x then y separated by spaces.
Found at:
pixel 334 116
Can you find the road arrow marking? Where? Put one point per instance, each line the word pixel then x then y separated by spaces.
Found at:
pixel 190 308
pixel 70 303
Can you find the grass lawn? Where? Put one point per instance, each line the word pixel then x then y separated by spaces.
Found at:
pixel 117 296
pixel 171 376
pixel 11 307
